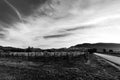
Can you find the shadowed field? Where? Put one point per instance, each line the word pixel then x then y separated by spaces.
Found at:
pixel 57 68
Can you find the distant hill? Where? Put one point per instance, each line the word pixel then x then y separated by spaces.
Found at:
pixel 78 47
pixel 99 46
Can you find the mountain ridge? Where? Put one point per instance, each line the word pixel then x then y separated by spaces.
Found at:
pixel 98 46
pixel 107 46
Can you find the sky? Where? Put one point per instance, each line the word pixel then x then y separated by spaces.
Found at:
pixel 58 23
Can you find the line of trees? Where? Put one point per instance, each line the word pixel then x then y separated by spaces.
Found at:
pixel 31 49
pixel 11 49
pixel 110 51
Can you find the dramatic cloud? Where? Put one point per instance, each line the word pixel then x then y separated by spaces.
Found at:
pixel 58 23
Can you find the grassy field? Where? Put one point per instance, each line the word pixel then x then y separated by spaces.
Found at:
pixel 57 68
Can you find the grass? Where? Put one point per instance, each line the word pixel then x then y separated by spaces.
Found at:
pixel 57 68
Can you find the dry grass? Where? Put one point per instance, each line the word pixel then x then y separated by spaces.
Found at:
pixel 56 68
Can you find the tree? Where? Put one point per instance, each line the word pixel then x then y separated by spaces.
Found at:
pixel 110 50
pixel 29 49
pixel 104 50
pixel 92 50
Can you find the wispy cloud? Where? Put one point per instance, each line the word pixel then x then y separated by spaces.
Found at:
pixel 57 36
pixel 64 30
pixel 70 22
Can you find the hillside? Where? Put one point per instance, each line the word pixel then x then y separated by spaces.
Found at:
pixel 99 46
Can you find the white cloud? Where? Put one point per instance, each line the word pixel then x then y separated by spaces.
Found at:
pixel 105 17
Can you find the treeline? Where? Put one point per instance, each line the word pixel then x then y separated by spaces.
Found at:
pixel 32 49
pixel 12 49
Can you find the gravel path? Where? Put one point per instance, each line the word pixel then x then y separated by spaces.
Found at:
pixel 112 60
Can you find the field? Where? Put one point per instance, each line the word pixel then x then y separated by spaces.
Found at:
pixel 65 67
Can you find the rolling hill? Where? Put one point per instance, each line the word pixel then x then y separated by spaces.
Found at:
pixel 99 46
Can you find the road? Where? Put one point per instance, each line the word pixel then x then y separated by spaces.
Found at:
pixel 112 60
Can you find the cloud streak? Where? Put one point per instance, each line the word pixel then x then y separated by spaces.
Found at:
pixel 15 9
pixel 76 28
pixel 56 36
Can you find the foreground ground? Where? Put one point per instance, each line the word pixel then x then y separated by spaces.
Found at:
pixel 57 69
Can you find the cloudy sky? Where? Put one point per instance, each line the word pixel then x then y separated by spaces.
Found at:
pixel 58 23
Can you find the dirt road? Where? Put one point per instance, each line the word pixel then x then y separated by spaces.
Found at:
pixel 112 60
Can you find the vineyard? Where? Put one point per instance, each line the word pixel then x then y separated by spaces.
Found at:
pixel 54 66
pixel 39 54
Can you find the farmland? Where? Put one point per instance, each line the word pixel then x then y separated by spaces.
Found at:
pixel 55 66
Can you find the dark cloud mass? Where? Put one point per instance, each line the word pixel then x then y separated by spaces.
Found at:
pixel 8 15
pixel 25 7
